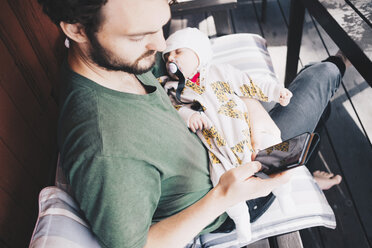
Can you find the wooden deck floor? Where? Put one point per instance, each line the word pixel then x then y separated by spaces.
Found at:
pixel 345 146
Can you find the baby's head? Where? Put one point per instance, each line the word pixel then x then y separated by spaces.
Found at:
pixel 190 49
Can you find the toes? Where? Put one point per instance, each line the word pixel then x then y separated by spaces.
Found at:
pixel 316 173
pixel 331 175
pixel 325 174
pixel 337 179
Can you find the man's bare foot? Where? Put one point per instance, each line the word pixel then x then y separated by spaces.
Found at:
pixel 326 180
pixel 344 59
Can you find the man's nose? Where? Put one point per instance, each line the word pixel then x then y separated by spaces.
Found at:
pixel 157 42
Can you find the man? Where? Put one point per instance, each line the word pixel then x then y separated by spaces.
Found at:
pixel 140 177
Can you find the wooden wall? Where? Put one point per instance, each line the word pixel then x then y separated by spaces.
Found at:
pixel 30 53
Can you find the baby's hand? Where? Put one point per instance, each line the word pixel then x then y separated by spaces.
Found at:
pixel 285 97
pixel 197 121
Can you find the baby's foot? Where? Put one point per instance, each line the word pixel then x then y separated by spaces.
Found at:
pixel 326 180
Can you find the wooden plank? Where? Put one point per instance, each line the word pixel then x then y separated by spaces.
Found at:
pixel 17 182
pixel 341 202
pixel 191 7
pixel 194 20
pixel 311 238
pixel 203 21
pixel 16 226
pixel 275 34
pixel 359 107
pixel 223 22
pixel 274 28
pixel 21 50
pixel 45 38
pixel 284 6
pixel 41 33
pixel 2 244
pixel 22 142
pixel 41 119
pixel 355 156
pixel 177 23
pixel 245 20
pixel 263 243
pixel 289 240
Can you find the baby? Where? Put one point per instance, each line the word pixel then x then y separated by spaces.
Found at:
pixel 208 98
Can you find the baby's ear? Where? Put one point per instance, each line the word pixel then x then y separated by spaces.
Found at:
pixel 197 56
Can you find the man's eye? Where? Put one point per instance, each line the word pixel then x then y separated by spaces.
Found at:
pixel 137 38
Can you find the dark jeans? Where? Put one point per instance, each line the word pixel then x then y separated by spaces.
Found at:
pixel 312 89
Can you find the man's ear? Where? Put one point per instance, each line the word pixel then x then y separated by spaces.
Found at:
pixel 74 32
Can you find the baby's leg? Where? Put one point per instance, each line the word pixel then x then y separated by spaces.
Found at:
pixel 239 213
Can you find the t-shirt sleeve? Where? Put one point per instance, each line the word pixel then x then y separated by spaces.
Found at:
pixel 119 197
pixel 262 88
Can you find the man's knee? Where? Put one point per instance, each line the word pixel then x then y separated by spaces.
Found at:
pixel 328 75
pixel 325 69
pixel 332 70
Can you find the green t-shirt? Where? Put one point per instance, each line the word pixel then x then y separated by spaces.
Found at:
pixel 130 159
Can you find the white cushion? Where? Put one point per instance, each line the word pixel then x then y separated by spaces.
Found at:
pixel 60 222
pixel 246 52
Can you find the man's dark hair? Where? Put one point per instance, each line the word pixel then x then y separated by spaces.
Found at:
pixel 85 12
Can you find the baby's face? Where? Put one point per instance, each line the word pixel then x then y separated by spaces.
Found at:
pixel 186 60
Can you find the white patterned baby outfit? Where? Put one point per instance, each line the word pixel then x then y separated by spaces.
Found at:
pixel 227 136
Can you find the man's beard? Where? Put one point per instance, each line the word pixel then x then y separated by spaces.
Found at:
pixel 106 59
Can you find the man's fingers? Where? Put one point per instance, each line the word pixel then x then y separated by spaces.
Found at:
pixel 277 180
pixel 248 170
pixel 264 186
pixel 253 155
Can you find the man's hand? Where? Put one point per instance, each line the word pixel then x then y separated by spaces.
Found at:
pixel 197 121
pixel 285 97
pixel 239 184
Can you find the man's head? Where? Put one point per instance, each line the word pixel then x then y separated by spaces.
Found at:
pixel 120 35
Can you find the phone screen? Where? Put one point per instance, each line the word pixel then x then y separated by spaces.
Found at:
pixel 287 154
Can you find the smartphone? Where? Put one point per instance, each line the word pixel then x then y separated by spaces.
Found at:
pixel 286 155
